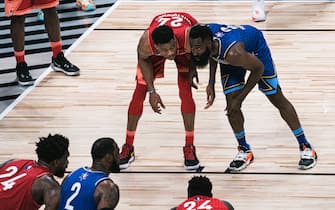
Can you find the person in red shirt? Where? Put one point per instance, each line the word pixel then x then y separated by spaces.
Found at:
pixel 165 38
pixel 200 196
pixel 28 184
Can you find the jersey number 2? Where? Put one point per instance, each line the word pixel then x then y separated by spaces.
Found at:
pixel 76 188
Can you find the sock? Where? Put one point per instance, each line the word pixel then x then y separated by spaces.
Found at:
pixel 130 137
pixel 259 4
pixel 19 56
pixel 189 138
pixel 301 138
pixel 56 48
pixel 241 139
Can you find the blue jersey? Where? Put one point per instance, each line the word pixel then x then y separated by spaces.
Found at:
pixel 251 37
pixel 77 191
pixel 254 43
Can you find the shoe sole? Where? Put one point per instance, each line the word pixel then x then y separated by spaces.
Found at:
pixel 75 73
pixel 30 83
pixel 243 166
pixel 307 167
pixel 192 167
pixel 126 165
pixel 301 167
pixel 258 20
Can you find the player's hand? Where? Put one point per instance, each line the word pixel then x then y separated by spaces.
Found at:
pixel 156 102
pixel 193 74
pixel 234 106
pixel 210 95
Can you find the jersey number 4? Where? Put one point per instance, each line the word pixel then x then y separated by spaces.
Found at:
pixel 8 184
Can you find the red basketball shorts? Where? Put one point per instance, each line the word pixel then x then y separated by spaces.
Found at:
pixel 22 7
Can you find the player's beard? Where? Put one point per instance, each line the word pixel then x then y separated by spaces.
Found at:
pixel 115 168
pixel 59 172
pixel 201 61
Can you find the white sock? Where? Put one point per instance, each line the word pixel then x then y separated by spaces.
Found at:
pixel 259 4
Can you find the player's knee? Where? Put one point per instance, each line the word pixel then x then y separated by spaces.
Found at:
pixel 188 106
pixel 135 108
pixel 136 103
pixel 187 102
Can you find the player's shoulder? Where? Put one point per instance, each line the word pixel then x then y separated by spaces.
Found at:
pixel 143 48
pixel 107 184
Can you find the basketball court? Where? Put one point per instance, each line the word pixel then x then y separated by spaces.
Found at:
pixel 301 36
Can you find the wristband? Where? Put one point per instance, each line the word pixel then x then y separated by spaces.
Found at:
pixel 152 91
pixel 211 81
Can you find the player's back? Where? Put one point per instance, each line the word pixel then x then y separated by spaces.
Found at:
pixel 231 34
pixel 202 202
pixel 77 192
pixel 178 22
pixel 16 180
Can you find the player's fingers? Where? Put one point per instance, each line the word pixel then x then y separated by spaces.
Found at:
pixel 161 103
pixel 194 85
pixel 197 78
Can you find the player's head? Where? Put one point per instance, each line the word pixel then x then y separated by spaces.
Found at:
pixel 106 151
pixel 53 150
pixel 199 185
pixel 201 39
pixel 165 42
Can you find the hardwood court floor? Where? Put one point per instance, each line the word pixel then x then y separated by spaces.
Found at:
pixel 301 37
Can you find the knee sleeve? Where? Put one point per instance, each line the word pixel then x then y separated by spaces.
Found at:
pixel 185 94
pixel 136 103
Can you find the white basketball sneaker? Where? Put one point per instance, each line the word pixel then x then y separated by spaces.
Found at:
pixel 258 14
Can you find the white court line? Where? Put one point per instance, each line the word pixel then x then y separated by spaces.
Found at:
pixel 49 69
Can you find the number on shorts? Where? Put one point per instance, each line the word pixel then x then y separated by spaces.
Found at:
pixel 76 188
pixel 204 205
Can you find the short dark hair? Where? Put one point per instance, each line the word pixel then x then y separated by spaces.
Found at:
pixel 162 34
pixel 199 185
pixel 103 146
pixel 201 31
pixel 52 147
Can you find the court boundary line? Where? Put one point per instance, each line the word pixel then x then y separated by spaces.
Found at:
pixel 49 69
pixel 225 172
pixel 276 29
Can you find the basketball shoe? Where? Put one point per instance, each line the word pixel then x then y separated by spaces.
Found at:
pixel 258 14
pixel 23 75
pixel 60 63
pixel 40 16
pixel 308 157
pixel 127 156
pixel 243 158
pixel 86 5
pixel 191 161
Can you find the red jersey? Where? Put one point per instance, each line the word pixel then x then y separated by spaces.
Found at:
pixel 178 22
pixel 16 179
pixel 199 202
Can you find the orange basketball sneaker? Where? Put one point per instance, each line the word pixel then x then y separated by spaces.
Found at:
pixel 243 158
pixel 308 157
